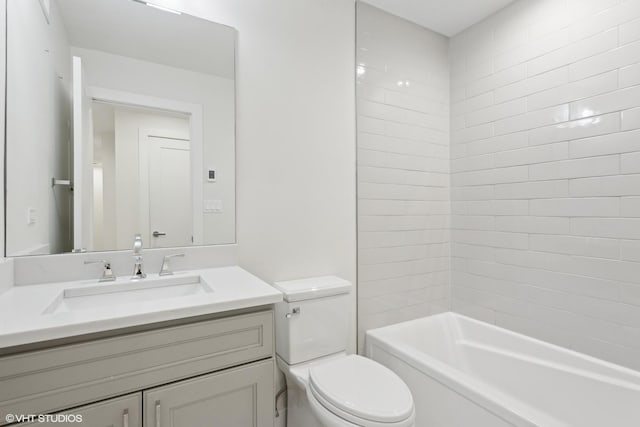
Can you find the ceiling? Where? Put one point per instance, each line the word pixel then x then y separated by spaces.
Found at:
pixel 448 17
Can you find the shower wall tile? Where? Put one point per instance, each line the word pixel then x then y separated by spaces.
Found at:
pixel 403 168
pixel 545 173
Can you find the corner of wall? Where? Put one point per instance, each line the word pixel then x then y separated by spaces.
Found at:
pixel 3 80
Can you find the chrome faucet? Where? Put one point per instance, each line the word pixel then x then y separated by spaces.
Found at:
pixel 138 271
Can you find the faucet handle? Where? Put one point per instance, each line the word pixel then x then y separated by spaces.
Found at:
pixel 107 273
pixel 165 270
pixel 137 244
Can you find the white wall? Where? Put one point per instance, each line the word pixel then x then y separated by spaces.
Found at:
pixel 108 160
pixel 104 182
pixel 546 173
pixel 98 231
pixel 403 170
pixel 295 134
pixel 38 85
pixel 3 68
pixel 215 95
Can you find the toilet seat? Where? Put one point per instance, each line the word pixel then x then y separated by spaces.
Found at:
pixel 362 392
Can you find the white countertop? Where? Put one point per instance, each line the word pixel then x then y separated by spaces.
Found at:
pixel 23 317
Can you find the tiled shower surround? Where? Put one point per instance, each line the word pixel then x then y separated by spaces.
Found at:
pixel 403 170
pixel 545 180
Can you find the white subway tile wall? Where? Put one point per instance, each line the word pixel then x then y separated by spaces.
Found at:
pixel 403 170
pixel 545 173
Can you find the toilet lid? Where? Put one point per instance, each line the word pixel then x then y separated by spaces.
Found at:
pixel 362 388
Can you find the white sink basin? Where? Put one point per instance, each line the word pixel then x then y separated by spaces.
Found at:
pixel 130 292
pixel 51 311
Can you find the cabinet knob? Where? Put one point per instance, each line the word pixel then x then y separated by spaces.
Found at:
pixel 294 312
pixel 125 418
pixel 157 413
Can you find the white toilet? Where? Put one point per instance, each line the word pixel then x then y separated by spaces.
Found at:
pixel 327 387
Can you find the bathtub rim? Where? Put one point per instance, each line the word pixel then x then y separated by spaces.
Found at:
pixel 449 378
pixel 490 398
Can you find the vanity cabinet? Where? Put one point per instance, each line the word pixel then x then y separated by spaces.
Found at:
pixel 123 411
pixel 210 372
pixel 238 397
pixel 231 398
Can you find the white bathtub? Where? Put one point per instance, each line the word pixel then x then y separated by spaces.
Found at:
pixel 466 373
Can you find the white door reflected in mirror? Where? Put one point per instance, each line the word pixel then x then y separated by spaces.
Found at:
pixel 142 158
pixel 169 193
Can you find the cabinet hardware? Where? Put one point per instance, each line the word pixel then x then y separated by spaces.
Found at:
pixel 294 312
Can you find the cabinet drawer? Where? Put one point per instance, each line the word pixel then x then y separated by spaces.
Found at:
pixel 51 380
pixel 239 397
pixel 123 411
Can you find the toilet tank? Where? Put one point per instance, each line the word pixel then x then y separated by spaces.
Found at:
pixel 313 319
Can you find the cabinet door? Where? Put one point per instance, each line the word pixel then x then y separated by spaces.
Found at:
pixel 239 397
pixel 123 411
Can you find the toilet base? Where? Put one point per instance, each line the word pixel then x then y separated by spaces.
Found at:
pixel 299 413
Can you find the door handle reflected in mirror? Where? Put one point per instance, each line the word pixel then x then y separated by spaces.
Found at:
pixel 158 234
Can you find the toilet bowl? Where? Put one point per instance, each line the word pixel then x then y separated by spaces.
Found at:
pixel 347 391
pixel 326 386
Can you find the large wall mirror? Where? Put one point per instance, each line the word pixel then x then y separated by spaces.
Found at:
pixel 120 121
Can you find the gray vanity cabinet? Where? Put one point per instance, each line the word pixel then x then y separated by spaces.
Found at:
pixel 212 372
pixel 125 411
pixel 239 397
